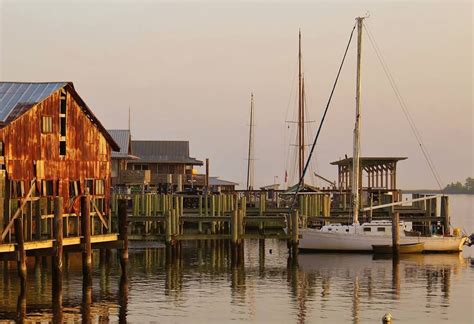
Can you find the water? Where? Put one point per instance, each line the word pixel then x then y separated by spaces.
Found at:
pixel 201 286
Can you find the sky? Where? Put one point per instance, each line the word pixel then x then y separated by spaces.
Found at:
pixel 186 71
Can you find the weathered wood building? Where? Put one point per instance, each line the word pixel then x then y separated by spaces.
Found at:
pixel 51 144
pixel 165 165
pixel 120 158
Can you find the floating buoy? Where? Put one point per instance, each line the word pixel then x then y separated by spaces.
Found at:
pixel 387 318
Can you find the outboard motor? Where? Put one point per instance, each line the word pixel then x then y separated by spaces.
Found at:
pixel 470 240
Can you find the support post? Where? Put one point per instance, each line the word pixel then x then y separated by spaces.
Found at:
pixel 38 220
pixel 21 253
pixel 123 233
pixel 58 245
pixel 200 214
pixel 445 214
pixel 168 224
pixel 396 234
pixel 294 238
pixel 86 239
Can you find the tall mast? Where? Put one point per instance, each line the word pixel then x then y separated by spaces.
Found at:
pixel 250 172
pixel 356 155
pixel 300 113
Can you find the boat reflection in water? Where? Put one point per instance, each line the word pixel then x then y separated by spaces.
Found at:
pixel 201 284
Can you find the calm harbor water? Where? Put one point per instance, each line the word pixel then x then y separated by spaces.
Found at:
pixel 202 286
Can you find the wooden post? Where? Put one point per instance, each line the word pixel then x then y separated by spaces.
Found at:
pixel 234 227
pixel 168 224
pixel 58 245
pixel 123 233
pixel 20 249
pixel 445 214
pixel 213 214
pixel 294 238
pixel 86 238
pixel 396 233
pixel 371 205
pixel 200 214
pixel 206 179
pixel 38 220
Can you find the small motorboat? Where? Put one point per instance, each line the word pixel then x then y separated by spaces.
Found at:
pixel 404 248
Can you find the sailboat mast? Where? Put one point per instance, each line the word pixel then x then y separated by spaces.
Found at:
pixel 300 113
pixel 356 155
pixel 250 172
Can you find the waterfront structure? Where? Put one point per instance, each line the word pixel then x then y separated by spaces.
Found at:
pixel 120 158
pixel 166 165
pixel 219 185
pixel 51 145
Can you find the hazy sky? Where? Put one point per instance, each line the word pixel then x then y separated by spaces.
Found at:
pixel 186 69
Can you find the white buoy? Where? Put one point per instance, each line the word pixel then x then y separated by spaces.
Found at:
pixel 387 318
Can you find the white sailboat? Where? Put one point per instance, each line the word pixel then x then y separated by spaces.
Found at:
pixel 361 237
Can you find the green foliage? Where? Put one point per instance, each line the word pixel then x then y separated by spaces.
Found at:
pixel 459 188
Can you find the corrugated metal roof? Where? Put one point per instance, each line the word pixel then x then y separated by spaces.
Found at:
pixel 18 96
pixel 215 181
pixel 122 138
pixel 163 152
pixel 369 160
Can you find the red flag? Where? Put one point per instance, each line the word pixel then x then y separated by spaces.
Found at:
pixel 286 176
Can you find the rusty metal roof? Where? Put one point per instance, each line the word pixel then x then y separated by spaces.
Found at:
pixel 163 152
pixel 17 97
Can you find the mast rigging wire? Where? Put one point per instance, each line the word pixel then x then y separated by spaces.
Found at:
pixel 404 107
pixel 301 181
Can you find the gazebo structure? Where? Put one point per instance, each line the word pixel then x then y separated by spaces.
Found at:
pixel 377 179
pixel 375 172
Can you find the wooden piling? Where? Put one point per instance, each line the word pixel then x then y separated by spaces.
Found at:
pixel 445 214
pixel 200 214
pixel 294 233
pixel 168 232
pixel 57 261
pixel 396 234
pixel 20 250
pixel 38 221
pixel 123 233
pixel 86 238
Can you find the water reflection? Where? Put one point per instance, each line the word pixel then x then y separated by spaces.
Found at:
pixel 201 281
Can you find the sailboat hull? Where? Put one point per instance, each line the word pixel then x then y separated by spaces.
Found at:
pixel 315 240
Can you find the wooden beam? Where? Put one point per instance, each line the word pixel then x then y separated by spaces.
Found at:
pixel 18 212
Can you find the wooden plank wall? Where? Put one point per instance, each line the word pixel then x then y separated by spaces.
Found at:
pixel 30 153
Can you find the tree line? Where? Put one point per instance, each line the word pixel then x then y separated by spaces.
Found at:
pixel 459 188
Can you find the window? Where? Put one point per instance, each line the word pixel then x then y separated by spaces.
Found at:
pixel 89 184
pixel 47 188
pixel 140 167
pixel 62 148
pixel 62 122
pixel 17 189
pixel 62 126
pixel 74 188
pixel 367 229
pixel 380 229
pixel 63 103
pixel 47 124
